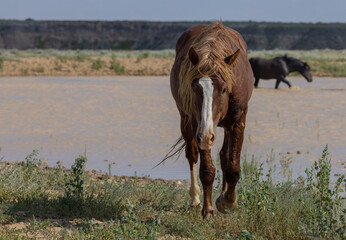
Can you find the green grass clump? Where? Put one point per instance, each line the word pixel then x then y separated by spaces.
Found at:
pixel 38 69
pixel 116 66
pixel 142 56
pixel 98 64
pixel 62 58
pixel 335 69
pixel 109 207
pixel 1 62
pixel 1 157
pixel 80 57
pixel 24 71
pixel 58 66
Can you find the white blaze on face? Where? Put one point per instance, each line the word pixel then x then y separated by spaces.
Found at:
pixel 206 114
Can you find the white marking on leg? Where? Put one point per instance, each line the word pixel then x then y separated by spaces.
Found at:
pixel 194 188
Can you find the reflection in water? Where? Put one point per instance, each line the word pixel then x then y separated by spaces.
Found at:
pixel 130 123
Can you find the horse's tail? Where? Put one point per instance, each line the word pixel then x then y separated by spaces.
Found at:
pixel 176 149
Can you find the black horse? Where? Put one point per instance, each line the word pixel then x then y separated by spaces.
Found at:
pixel 278 68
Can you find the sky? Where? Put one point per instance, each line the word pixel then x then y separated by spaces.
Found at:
pixel 177 10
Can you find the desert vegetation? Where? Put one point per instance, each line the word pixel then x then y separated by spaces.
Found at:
pixel 39 202
pixel 50 62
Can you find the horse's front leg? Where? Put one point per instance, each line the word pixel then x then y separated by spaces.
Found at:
pixel 191 153
pixel 207 175
pixel 230 164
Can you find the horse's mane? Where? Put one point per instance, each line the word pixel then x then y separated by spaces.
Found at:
pixel 212 46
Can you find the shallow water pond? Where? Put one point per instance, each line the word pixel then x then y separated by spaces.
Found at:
pixel 127 124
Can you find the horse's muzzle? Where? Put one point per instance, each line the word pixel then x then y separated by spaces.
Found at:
pixel 205 141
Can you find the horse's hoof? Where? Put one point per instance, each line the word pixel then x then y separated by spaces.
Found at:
pixel 209 213
pixel 222 206
pixel 219 205
pixel 195 202
pixel 195 206
pixel 208 216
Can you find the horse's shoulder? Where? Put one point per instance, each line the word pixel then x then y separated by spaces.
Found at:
pixel 278 61
pixel 280 65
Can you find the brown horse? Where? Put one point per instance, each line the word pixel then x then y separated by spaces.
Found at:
pixel 212 82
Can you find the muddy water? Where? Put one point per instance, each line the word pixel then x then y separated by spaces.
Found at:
pixel 127 124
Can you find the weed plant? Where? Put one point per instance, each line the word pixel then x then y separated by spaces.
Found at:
pixel 38 69
pixel 25 71
pixel 98 64
pixel 58 66
pixel 116 66
pixel 74 188
pixel 142 56
pixel 1 157
pixel 1 62
pixel 56 203
pixel 80 57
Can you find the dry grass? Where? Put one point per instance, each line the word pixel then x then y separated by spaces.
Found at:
pixel 38 202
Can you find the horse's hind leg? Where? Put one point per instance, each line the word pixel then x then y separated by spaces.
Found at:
pixel 230 164
pixel 256 82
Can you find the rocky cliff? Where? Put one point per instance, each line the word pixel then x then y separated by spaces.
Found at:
pixel 161 35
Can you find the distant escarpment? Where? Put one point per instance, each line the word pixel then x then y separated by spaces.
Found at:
pixel 136 35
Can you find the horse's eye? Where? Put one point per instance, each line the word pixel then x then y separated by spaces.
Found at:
pixel 194 83
pixel 223 91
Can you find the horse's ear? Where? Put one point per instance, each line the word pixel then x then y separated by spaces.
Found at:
pixel 193 56
pixel 231 58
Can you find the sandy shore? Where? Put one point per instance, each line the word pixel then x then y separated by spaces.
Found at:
pixel 129 123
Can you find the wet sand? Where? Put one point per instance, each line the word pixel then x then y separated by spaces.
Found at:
pixel 130 123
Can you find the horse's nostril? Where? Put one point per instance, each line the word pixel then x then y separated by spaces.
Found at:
pixel 198 139
pixel 212 138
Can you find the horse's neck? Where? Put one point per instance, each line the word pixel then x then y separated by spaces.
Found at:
pixel 293 66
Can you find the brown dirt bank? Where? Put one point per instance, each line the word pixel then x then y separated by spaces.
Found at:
pixel 93 66
pixel 130 66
